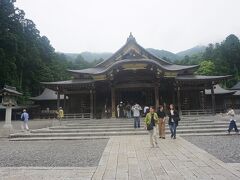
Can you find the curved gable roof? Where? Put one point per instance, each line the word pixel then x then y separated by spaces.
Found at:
pixel 100 70
pixel 131 45
pixel 132 52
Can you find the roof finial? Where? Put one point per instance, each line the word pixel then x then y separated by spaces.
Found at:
pixel 131 38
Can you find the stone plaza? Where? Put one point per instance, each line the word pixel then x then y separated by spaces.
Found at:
pixel 118 155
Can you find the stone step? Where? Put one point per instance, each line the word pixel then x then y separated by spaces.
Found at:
pixel 210 134
pixel 58 138
pixel 78 126
pixel 66 130
pixel 130 123
pixel 106 137
pixel 112 133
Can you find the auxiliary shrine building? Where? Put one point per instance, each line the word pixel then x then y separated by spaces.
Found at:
pixel 132 74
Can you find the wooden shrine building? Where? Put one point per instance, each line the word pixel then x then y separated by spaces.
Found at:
pixel 133 74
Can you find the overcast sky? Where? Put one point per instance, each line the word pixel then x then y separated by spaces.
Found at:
pixel 104 25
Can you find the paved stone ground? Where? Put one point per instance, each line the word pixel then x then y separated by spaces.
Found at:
pixel 130 157
pixel 33 124
pixel 225 148
pixel 51 153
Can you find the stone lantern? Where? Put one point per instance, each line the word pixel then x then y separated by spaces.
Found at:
pixel 9 99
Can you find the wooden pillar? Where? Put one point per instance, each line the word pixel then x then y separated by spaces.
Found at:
pixel 213 100
pixel 94 105
pixel 64 102
pixel 203 100
pixel 173 96
pixel 113 102
pixel 91 103
pixel 179 101
pixel 156 91
pixel 58 99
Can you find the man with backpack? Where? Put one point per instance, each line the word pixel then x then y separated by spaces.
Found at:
pixel 25 118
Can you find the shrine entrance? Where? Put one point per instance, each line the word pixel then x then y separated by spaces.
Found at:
pixel 142 96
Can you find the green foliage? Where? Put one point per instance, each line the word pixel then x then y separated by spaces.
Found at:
pixel 26 58
pixel 206 68
pixel 219 59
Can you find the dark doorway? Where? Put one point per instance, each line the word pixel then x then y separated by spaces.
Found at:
pixel 143 96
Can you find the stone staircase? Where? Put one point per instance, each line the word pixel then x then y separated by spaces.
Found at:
pixel 103 128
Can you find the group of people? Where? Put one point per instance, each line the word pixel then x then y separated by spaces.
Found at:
pixel 25 117
pixel 154 118
pixel 124 110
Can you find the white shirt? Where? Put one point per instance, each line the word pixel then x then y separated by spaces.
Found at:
pixel 172 113
pixel 145 109
pixel 231 113
pixel 136 110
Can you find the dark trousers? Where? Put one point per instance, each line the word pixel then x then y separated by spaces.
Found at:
pixel 233 125
pixel 136 122
pixel 173 127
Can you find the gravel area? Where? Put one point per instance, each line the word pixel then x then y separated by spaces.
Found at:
pixel 225 148
pixel 77 153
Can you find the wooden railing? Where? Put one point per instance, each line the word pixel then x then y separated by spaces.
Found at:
pixel 196 112
pixel 77 116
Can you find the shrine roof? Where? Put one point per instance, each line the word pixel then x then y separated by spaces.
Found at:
pixel 201 78
pixel 132 52
pixel 11 90
pixel 219 90
pixel 47 94
pixel 167 67
pixel 237 93
pixel 236 86
pixel 69 82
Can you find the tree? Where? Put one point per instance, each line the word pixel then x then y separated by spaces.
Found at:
pixel 207 67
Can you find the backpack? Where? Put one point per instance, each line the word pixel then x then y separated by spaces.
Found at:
pixel 22 117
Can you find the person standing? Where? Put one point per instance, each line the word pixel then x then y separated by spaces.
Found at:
pixel 128 110
pixel 60 115
pixel 118 111
pixel 161 125
pixel 151 120
pixel 173 120
pixel 145 110
pixel 232 123
pixel 25 118
pixel 136 115
pixel 121 108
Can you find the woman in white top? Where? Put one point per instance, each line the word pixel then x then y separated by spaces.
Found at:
pixel 232 123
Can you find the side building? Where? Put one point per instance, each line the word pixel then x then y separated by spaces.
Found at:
pixel 132 74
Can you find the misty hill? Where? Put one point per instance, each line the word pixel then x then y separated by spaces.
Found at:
pixel 191 51
pixel 88 56
pixel 163 54
pixel 166 55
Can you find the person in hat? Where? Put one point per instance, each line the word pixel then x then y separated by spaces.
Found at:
pixel 25 118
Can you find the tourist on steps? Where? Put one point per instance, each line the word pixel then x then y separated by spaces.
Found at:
pixel 60 115
pixel 136 115
pixel 161 125
pixel 151 120
pixel 232 123
pixel 25 118
pixel 128 110
pixel 173 120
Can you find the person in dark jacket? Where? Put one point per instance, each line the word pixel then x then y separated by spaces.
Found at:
pixel 161 126
pixel 173 120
